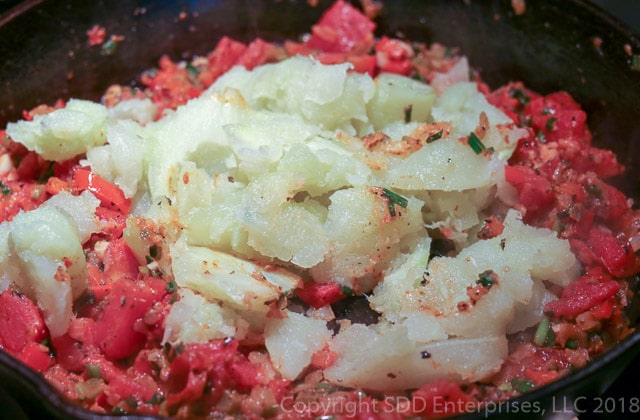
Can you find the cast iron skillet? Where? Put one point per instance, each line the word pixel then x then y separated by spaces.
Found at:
pixel 551 47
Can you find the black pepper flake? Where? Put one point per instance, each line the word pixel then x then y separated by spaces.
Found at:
pixel 425 354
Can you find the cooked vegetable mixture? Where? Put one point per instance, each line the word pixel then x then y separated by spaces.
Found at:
pixel 301 229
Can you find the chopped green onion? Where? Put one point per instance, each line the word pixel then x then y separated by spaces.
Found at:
pixel 435 136
pixel 109 47
pixel 156 398
pixel 193 70
pixel 171 287
pixel 521 96
pixel 486 279
pixel 346 290
pixel 540 136
pixel 407 113
pixel 550 122
pixel 522 385
pixel 393 200
pixel 153 251
pixel 93 371
pixel 4 188
pixel 635 62
pixel 476 144
pixel 544 334
pixel 572 344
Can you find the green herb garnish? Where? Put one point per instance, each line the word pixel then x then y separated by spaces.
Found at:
pixel 550 122
pixel 172 287
pixel 486 279
pixel 393 200
pixel 522 385
pixel 93 371
pixel 407 113
pixel 5 190
pixel 435 136
pixel 476 144
pixel 521 96
pixel 544 334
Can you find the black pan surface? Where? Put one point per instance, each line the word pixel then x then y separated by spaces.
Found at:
pixel 550 47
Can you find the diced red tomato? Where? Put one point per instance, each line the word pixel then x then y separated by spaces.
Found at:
pixel 36 356
pixel 120 261
pixel 109 195
pixel 320 294
pixel 125 305
pixel 582 295
pixel 618 258
pixel 225 55
pixel 394 56
pixel 342 29
pixel 440 398
pixel 534 192
pixel 217 364
pixel 21 322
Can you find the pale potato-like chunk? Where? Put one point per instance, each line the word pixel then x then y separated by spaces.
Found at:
pixel 292 340
pixel 325 95
pixel 383 358
pixel 398 97
pixel 64 133
pixel 194 319
pixel 44 258
pixel 363 237
pixel 223 277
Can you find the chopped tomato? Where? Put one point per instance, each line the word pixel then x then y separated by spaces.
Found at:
pixel 440 398
pixel 120 332
pixel 320 294
pixel 209 367
pixel 618 258
pixel 342 29
pixel 109 195
pixel 535 193
pixel 21 321
pixel 582 295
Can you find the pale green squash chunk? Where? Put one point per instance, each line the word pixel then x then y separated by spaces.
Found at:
pixel 63 133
